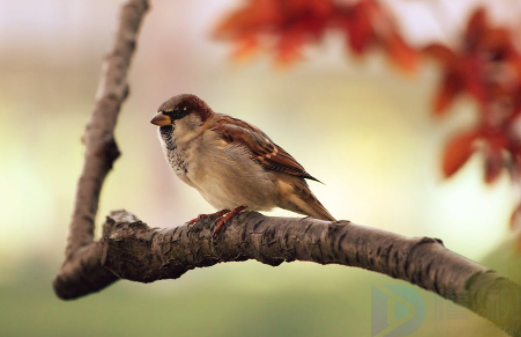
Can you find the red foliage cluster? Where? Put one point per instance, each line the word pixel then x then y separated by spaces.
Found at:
pixel 486 66
pixel 286 26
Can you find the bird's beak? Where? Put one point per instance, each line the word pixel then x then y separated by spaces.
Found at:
pixel 161 119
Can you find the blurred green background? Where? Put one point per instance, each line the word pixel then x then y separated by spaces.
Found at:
pixel 361 127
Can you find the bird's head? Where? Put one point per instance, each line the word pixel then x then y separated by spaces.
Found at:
pixel 182 110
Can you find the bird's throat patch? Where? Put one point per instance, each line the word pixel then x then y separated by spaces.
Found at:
pixel 166 129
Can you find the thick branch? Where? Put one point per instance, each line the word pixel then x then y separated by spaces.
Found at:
pixel 100 153
pixel 132 250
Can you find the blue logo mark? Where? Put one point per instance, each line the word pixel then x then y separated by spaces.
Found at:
pixel 396 311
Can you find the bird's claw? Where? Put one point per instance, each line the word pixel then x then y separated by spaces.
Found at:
pixel 200 217
pixel 225 218
pixel 192 222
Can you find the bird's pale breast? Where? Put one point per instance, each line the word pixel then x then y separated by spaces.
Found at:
pixel 225 175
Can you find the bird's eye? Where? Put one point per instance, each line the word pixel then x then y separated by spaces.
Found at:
pixel 177 113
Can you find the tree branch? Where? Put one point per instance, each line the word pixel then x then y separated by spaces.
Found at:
pixel 131 250
pixel 100 153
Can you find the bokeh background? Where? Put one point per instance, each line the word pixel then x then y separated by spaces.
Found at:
pixel 360 126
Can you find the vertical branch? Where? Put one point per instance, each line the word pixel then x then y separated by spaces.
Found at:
pixel 100 146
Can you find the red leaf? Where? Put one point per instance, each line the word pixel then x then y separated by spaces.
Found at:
pixel 450 87
pixel 457 152
pixel 473 70
pixel 476 27
pixel 316 8
pixel 441 53
pixel 494 160
pixel 515 221
pixel 493 166
pixel 289 47
pixel 400 53
pixel 245 48
pixel 496 38
pixel 257 14
pixel 360 31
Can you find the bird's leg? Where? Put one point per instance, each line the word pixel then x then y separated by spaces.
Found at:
pixel 204 216
pixel 224 219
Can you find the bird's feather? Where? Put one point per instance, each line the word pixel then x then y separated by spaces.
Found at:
pixel 262 148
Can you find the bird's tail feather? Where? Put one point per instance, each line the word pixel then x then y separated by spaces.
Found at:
pixel 303 201
pixel 316 210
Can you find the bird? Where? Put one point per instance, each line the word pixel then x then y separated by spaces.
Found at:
pixel 234 165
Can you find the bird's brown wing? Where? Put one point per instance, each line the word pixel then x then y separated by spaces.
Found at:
pixel 262 148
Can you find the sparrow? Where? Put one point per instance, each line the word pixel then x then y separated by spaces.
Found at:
pixel 233 164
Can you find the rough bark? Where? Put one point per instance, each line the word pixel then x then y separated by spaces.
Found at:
pixel 131 250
